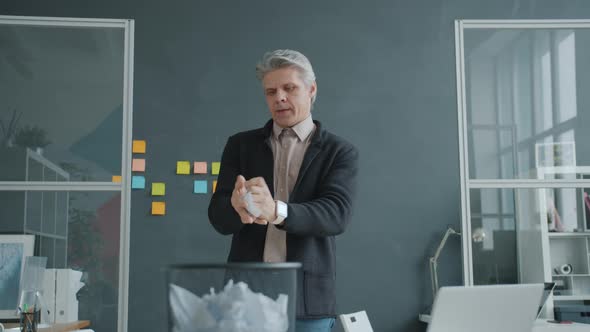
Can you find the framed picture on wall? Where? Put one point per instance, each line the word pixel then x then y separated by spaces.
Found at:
pixel 555 154
pixel 13 250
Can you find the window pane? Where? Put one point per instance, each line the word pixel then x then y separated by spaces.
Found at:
pixel 525 89
pixel 494 237
pixel 61 96
pixel 530 236
pixel 83 235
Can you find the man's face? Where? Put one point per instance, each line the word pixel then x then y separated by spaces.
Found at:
pixel 287 96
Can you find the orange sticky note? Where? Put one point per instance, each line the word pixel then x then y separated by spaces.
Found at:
pixel 139 146
pixel 183 167
pixel 214 185
pixel 117 178
pixel 200 167
pixel 138 165
pixel 158 208
pixel 215 166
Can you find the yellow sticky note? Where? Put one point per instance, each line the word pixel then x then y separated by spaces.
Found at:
pixel 215 167
pixel 158 189
pixel 117 178
pixel 158 208
pixel 214 185
pixel 138 165
pixel 200 167
pixel 183 167
pixel 139 146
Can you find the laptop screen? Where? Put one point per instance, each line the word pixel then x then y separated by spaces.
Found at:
pixel 547 289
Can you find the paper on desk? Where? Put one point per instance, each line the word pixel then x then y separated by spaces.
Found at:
pixel 235 309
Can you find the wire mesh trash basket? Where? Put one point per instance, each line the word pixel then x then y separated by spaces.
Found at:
pixel 232 297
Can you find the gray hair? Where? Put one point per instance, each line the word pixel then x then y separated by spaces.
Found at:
pixel 286 58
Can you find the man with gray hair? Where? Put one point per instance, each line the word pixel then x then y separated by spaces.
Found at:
pixel 286 190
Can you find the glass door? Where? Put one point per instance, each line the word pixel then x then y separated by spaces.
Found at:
pixel 65 132
pixel 523 112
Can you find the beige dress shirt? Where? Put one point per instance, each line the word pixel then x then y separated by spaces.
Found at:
pixel 288 147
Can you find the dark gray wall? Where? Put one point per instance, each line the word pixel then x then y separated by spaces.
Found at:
pixel 386 77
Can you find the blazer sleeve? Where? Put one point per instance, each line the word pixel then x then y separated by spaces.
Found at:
pixel 222 215
pixel 330 213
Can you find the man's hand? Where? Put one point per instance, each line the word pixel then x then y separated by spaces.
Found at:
pixel 238 203
pixel 237 200
pixel 262 197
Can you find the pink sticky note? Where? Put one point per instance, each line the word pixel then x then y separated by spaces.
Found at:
pixel 138 165
pixel 200 167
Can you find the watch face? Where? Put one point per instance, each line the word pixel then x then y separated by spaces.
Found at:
pixel 282 209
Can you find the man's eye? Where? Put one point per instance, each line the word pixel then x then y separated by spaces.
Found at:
pixel 270 92
pixel 289 88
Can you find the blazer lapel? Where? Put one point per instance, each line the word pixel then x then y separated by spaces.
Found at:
pixel 310 154
pixel 267 164
pixel 312 151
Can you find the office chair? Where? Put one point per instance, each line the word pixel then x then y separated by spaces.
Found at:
pixel 356 322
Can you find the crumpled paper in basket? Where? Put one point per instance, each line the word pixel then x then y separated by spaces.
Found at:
pixel 235 309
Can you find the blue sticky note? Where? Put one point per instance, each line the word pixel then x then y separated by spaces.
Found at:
pixel 200 187
pixel 138 182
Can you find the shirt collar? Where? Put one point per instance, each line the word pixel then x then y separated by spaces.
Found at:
pixel 303 129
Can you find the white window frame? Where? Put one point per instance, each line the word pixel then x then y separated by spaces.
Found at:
pixel 127 26
pixel 466 183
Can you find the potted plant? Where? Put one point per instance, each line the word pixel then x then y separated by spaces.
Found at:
pixel 32 137
pixel 9 129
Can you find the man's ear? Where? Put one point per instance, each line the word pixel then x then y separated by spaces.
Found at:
pixel 313 89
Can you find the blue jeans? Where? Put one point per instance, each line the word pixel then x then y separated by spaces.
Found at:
pixel 314 325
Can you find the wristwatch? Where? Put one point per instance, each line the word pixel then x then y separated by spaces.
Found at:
pixel 281 211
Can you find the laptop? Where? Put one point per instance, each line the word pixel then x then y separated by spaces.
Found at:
pixel 494 308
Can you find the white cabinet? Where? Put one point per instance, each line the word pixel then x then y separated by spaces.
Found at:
pixel 566 230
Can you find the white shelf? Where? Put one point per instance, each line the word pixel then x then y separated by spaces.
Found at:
pixel 570 275
pixel 569 234
pixel 47 235
pixel 571 297
pixel 568 247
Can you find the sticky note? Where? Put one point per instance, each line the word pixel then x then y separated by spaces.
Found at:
pixel 200 167
pixel 214 185
pixel 215 167
pixel 139 146
pixel 158 189
pixel 117 178
pixel 138 165
pixel 158 208
pixel 183 167
pixel 137 182
pixel 200 187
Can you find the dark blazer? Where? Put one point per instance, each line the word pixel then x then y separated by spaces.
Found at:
pixel 319 207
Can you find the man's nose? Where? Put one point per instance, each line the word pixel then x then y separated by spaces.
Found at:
pixel 281 96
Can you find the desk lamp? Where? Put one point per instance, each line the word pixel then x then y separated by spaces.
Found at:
pixel 478 236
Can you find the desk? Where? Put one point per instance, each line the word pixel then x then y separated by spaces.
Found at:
pixel 541 325
pixel 59 327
